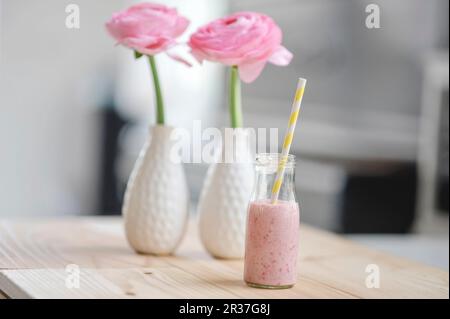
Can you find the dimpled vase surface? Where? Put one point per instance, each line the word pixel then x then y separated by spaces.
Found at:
pixel 224 201
pixel 156 200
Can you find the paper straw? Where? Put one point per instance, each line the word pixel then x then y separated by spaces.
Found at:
pixel 288 139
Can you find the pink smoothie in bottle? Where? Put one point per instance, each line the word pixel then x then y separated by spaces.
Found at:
pixel 271 244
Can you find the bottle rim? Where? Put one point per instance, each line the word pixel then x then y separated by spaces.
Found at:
pixel 273 159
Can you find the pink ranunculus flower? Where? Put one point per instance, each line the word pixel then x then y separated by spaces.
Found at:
pixel 246 39
pixel 147 28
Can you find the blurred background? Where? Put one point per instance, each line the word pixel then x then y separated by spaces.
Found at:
pixel 372 141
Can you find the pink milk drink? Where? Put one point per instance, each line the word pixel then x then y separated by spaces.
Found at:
pixel 272 238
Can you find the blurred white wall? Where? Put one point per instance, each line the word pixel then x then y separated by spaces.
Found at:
pixel 47 122
pixel 47 125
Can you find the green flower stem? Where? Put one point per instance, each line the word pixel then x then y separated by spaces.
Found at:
pixel 235 98
pixel 159 99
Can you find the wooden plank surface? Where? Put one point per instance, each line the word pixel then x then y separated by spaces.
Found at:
pixel 34 255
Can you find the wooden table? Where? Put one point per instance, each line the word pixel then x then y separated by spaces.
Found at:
pixel 34 255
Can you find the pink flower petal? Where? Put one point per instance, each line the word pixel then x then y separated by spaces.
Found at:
pixel 281 56
pixel 246 39
pixel 181 26
pixel 147 28
pixel 198 56
pixel 178 57
pixel 249 72
pixel 148 45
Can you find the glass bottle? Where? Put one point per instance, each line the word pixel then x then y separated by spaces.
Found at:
pixel 272 236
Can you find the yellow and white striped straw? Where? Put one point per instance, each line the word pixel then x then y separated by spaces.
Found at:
pixel 288 139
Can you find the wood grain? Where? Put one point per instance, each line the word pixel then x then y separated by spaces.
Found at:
pixel 34 256
pixel 3 296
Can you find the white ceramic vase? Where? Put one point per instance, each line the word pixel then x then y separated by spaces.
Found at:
pixel 224 201
pixel 156 203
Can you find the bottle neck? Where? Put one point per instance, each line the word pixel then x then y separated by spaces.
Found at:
pixel 264 180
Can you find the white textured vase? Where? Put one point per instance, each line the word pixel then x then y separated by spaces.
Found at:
pixel 156 201
pixel 224 201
